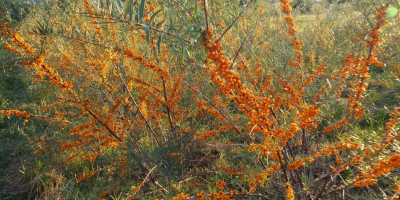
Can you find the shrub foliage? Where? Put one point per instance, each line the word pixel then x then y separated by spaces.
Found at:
pixel 214 99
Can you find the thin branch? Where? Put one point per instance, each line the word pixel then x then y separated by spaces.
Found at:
pixel 234 21
pixel 140 25
pixel 188 11
pixel 237 52
pixel 141 113
pixel 166 105
pixel 206 16
pixel 111 132
pixel 319 194
pixel 161 31
pixel 145 179
pixel 73 38
pixel 283 167
pixel 144 25
pixel 216 107
pixel 105 125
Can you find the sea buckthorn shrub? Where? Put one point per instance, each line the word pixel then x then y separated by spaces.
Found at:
pixel 212 99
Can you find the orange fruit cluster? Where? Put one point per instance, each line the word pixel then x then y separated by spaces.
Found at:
pixel 91 156
pixel 221 184
pixel 15 38
pixel 151 65
pixel 337 125
pixel 262 177
pixel 10 48
pixel 382 167
pixel 347 145
pixel 295 165
pixel 195 185
pixel 103 194
pixel 286 7
pixel 16 113
pixel 314 75
pixel 87 175
pixel 68 146
pixel 73 156
pixel 223 195
pixel 180 196
pixel 309 160
pixel 289 192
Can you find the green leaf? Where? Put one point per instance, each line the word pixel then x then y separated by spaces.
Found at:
pixel 170 20
pixel 182 48
pixel 190 49
pixel 202 55
pixel 196 9
pixel 118 5
pixel 154 15
pixel 236 26
pixel 131 10
pixel 147 30
pixel 160 23
pixel 183 53
pixel 159 42
pixel 141 9
pixel 101 4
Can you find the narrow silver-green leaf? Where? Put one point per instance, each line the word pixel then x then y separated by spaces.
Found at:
pixel 170 20
pixel 203 54
pixel 154 15
pixel 141 11
pixel 183 53
pixel 236 26
pixel 147 30
pixel 101 3
pixel 159 41
pixel 127 9
pixel 118 6
pixel 160 23
pixel 131 10
pixel 183 48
